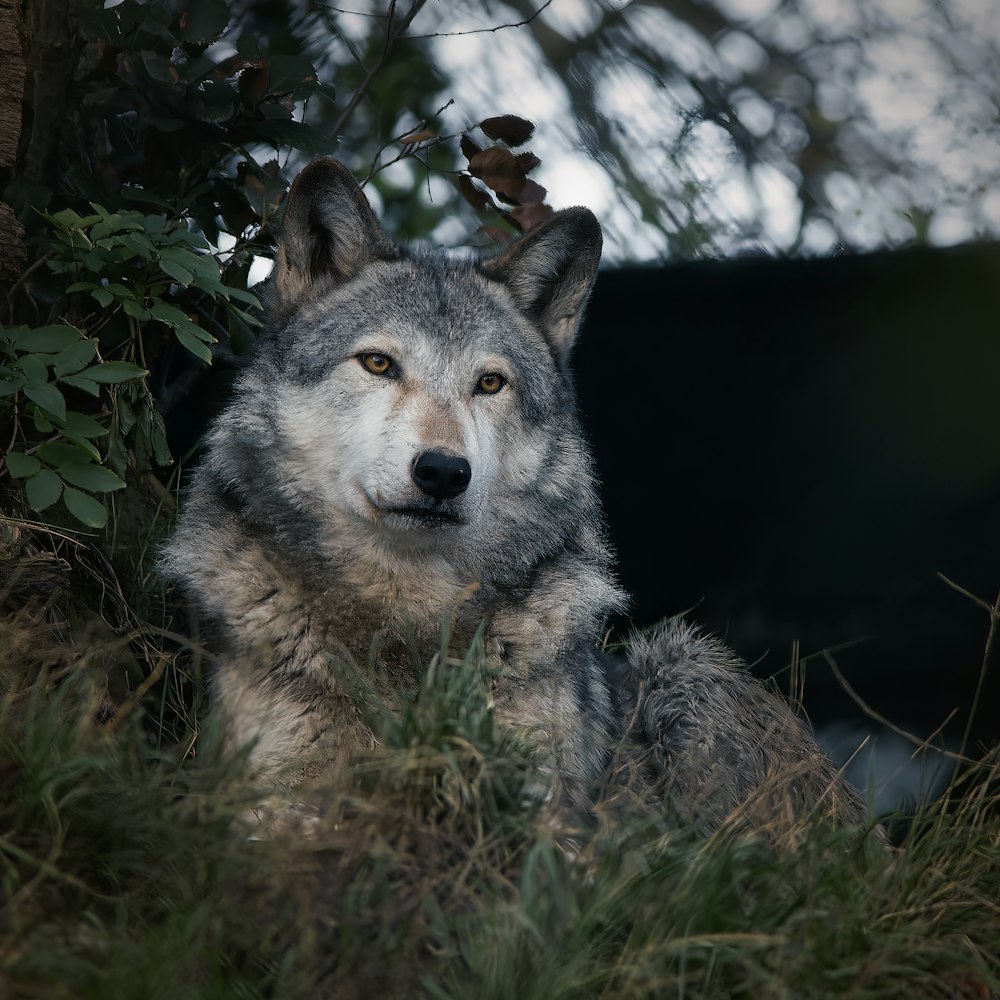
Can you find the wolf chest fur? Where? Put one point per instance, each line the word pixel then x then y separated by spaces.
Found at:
pixel 404 453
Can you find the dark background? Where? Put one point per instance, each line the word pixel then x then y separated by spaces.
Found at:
pixel 795 449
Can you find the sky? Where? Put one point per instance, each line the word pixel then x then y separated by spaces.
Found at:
pixel 914 80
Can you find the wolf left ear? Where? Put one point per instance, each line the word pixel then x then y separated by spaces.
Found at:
pixel 550 272
pixel 329 232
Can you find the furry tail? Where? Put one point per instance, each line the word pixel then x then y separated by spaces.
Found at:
pixel 717 745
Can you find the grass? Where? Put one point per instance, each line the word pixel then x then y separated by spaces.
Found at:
pixel 433 871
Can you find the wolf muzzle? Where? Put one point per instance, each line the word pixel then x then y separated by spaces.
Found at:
pixel 440 475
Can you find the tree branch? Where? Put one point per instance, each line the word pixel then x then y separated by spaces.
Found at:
pixel 394 30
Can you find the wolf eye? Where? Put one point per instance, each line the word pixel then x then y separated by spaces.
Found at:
pixel 490 383
pixel 377 364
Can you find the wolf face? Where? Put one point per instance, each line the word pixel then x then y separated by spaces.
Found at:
pixel 420 424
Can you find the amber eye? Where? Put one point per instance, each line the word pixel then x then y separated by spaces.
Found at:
pixel 491 383
pixel 377 364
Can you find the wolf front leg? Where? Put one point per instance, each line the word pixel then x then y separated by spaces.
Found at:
pixel 564 710
pixel 293 718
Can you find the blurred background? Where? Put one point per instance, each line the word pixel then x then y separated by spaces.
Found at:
pixel 791 367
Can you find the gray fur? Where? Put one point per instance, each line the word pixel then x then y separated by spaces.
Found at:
pixel 712 741
pixel 313 555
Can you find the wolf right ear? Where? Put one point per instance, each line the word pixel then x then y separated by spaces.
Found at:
pixel 329 233
pixel 549 273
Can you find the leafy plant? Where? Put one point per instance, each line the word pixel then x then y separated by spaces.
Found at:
pixel 132 261
pixel 40 365
pixel 133 266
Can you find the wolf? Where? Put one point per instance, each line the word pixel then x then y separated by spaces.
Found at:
pixel 403 453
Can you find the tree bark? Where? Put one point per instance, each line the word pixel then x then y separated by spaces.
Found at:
pixel 12 255
pixel 51 60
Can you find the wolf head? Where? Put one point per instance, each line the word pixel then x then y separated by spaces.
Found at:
pixel 410 402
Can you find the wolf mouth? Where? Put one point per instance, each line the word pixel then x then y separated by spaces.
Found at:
pixel 436 515
pixel 430 517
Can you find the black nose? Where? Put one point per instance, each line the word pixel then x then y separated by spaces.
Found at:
pixel 441 476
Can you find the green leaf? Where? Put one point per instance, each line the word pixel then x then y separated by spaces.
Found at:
pixel 8 333
pixel 43 489
pixel 82 426
pixel 8 388
pixel 202 266
pixel 103 296
pixel 36 372
pixel 212 285
pixel 176 318
pixel 157 434
pixel 74 357
pixel 84 508
pixel 86 384
pixel 246 317
pixel 47 339
pixel 112 371
pixel 66 219
pixel 140 245
pixel 191 239
pixel 42 423
pixel 126 413
pixel 60 453
pixel 81 286
pixel 82 443
pixel 248 298
pixel 49 398
pixel 168 314
pixel 193 344
pixel 135 310
pixel 91 477
pixel 180 274
pixel 21 466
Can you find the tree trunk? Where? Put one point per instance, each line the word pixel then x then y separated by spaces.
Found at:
pixel 12 254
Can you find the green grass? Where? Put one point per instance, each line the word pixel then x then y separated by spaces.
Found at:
pixel 125 870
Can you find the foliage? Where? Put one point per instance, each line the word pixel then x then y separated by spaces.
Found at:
pixel 132 261
pixel 131 264
pixel 42 363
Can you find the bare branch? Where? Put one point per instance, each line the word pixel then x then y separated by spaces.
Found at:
pixel 393 32
pixel 409 149
pixel 871 713
pixel 992 611
pixel 481 31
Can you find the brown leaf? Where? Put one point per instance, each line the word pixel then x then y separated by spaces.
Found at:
pixel 469 147
pixel 508 128
pixel 417 137
pixel 478 199
pixel 528 217
pixel 254 82
pixel 532 193
pixel 526 162
pixel 495 161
